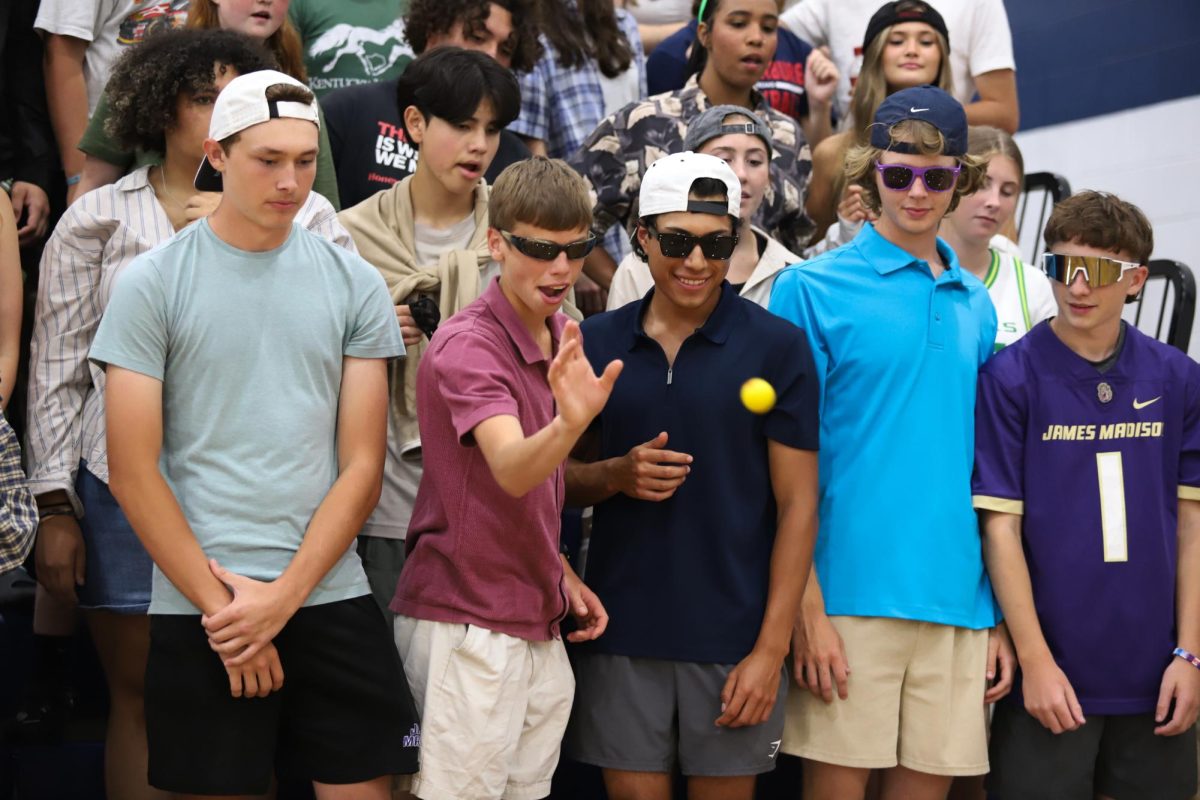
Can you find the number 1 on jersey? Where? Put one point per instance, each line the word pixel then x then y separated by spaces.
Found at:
pixel 1111 475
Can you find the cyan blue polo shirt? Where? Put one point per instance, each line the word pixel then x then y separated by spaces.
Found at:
pixel 898 353
pixel 686 578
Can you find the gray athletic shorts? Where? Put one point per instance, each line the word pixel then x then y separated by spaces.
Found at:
pixel 646 715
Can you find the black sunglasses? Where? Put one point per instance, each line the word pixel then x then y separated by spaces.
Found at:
pixel 715 245
pixel 548 251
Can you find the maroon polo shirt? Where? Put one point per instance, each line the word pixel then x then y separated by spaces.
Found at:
pixel 475 554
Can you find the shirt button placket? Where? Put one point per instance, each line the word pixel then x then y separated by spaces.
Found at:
pixel 937 331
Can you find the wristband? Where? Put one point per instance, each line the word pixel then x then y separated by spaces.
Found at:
pixel 56 510
pixel 74 179
pixel 1188 657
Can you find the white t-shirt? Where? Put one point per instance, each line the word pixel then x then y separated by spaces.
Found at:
pixel 656 12
pixel 402 469
pixel 629 86
pixel 109 25
pixel 980 40
pixel 1021 294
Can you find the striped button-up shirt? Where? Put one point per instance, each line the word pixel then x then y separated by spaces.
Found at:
pixel 98 236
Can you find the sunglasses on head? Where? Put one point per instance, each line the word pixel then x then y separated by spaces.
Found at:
pixel 1098 271
pixel 716 245
pixel 899 177
pixel 543 250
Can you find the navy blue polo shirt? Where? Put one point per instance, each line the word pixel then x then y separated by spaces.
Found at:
pixel 686 578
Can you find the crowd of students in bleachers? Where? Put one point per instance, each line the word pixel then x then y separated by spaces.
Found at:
pixel 105 107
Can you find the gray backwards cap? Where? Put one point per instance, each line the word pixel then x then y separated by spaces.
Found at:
pixel 711 124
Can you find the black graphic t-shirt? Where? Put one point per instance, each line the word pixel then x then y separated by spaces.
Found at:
pixel 370 151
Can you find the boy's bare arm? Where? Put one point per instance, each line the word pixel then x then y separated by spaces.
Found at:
pixel 819 661
pixel 520 463
pixel 67 99
pixel 133 417
pixel 11 294
pixel 260 609
pixel 997 104
pixel 1181 681
pixel 752 687
pixel 1187 593
pixel 1048 693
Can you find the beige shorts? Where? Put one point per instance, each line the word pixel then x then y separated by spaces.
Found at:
pixel 493 710
pixel 916 699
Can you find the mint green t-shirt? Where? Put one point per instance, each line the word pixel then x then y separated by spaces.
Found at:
pixel 347 42
pixel 249 348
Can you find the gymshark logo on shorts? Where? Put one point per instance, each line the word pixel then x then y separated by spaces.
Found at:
pixel 775 748
pixel 413 738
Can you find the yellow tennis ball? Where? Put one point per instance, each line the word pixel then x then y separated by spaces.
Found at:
pixel 758 395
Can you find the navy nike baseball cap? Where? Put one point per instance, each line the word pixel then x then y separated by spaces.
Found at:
pixel 928 104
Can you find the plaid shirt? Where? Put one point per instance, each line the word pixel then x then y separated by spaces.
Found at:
pixel 560 106
pixel 18 511
pixel 616 155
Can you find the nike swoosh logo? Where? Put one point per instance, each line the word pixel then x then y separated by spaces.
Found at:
pixel 1138 406
pixel 917 110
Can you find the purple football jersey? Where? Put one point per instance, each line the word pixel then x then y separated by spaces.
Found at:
pixel 1096 463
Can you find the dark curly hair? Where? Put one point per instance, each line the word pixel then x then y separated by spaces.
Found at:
pixel 148 78
pixel 428 18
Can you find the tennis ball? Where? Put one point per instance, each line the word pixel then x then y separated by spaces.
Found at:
pixel 758 395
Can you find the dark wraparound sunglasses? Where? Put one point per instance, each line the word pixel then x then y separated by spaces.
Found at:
pixel 899 177
pixel 548 251
pixel 717 245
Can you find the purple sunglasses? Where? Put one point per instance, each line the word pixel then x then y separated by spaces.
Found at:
pixel 899 177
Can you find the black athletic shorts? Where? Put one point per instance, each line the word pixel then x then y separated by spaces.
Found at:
pixel 1116 756
pixel 344 714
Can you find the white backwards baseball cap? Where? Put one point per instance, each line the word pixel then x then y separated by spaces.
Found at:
pixel 668 181
pixel 242 104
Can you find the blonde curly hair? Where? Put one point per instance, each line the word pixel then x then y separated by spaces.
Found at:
pixel 922 138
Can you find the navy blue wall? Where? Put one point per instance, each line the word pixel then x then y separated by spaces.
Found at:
pixel 1083 58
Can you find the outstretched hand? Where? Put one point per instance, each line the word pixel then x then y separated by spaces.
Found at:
pixel 579 393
